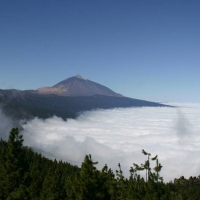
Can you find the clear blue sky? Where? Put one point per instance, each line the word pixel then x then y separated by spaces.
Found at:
pixel 147 49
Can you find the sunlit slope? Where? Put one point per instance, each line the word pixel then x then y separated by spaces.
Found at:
pixel 78 86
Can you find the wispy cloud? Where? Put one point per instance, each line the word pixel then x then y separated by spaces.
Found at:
pixel 6 125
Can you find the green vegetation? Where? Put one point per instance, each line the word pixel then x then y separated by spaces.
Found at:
pixel 25 174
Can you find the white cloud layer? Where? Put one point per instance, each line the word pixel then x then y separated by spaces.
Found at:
pixel 119 135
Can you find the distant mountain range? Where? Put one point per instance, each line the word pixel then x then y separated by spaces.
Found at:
pixel 66 99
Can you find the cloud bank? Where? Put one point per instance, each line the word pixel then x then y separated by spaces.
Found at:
pixel 119 135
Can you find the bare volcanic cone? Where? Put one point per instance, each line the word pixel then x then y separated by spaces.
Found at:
pixel 65 99
pixel 78 86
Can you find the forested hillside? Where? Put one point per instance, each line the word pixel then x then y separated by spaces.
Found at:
pixel 25 174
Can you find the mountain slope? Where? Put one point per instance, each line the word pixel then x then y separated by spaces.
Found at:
pixel 77 86
pixel 66 99
pixel 29 104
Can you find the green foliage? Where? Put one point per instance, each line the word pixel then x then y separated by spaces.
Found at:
pixel 26 175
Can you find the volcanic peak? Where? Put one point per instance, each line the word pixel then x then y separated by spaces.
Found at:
pixel 79 76
pixel 78 86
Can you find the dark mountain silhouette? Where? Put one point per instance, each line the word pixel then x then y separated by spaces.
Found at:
pixel 65 99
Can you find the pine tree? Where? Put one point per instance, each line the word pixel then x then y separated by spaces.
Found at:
pixel 13 168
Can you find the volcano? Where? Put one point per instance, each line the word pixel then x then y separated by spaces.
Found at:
pixel 66 99
pixel 78 86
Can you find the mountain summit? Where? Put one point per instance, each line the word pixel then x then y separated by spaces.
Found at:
pixel 78 86
pixel 70 97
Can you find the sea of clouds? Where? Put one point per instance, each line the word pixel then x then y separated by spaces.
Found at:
pixel 119 135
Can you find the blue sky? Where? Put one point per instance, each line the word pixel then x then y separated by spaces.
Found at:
pixel 146 49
